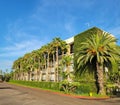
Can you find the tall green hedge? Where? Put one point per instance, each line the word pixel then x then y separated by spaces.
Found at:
pixel 78 39
pixel 82 37
pixel 45 85
pixel 84 87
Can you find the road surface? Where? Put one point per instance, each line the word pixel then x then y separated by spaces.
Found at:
pixel 19 95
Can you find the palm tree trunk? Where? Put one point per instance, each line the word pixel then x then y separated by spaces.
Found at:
pixel 48 67
pixel 45 62
pixel 57 64
pixel 62 53
pixel 68 75
pixel 100 81
pixel 39 69
pixel 53 66
pixel 29 75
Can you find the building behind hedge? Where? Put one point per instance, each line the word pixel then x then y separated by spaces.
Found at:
pixel 48 72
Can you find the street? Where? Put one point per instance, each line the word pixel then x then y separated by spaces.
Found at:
pixel 19 95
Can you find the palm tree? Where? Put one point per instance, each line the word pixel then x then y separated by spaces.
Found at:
pixel 44 50
pixel 39 59
pixel 24 67
pixel 64 47
pixel 48 60
pixel 96 53
pixel 42 63
pixel 28 65
pixel 66 62
pixel 18 68
pixel 21 68
pixel 52 57
pixel 58 44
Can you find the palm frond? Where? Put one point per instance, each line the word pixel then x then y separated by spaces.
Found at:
pixel 98 48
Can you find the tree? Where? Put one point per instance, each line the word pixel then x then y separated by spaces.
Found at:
pixel 96 53
pixel 58 44
pixel 1 75
pixel 17 68
pixel 1 72
pixel 48 51
pixel 67 85
pixel 66 62
pixel 26 65
pixel 44 50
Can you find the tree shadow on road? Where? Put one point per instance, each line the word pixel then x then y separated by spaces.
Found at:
pixel 5 88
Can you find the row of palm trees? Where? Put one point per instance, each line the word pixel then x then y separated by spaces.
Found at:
pixel 40 61
pixel 97 52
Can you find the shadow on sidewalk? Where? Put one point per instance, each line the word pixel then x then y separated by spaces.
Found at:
pixel 5 88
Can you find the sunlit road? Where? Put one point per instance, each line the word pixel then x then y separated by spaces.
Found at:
pixel 18 95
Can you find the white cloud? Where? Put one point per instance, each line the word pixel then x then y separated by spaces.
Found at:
pixel 17 30
pixel 18 49
pixel 12 52
pixel 115 31
pixel 69 27
pixel 6 64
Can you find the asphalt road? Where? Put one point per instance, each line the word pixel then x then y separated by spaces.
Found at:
pixel 18 95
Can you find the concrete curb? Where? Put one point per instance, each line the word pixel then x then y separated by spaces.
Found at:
pixel 81 97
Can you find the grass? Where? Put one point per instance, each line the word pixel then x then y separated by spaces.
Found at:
pixel 18 84
pixel 94 95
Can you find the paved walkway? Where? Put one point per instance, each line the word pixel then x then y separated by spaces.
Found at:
pixel 18 95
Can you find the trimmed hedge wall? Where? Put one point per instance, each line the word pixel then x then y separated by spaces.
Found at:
pixel 81 38
pixel 45 85
pixel 84 87
pixel 78 39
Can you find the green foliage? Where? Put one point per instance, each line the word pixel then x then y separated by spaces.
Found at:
pixel 86 77
pixel 96 52
pixel 99 48
pixel 78 39
pixel 111 89
pixel 40 59
pixel 65 63
pixel 44 85
pixel 69 87
pixel 114 77
pixel 7 76
pixel 86 88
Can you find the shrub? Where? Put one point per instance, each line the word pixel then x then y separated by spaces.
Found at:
pixel 112 89
pixel 45 85
pixel 69 87
pixel 86 88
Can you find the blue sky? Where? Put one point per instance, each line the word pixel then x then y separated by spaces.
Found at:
pixel 26 25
